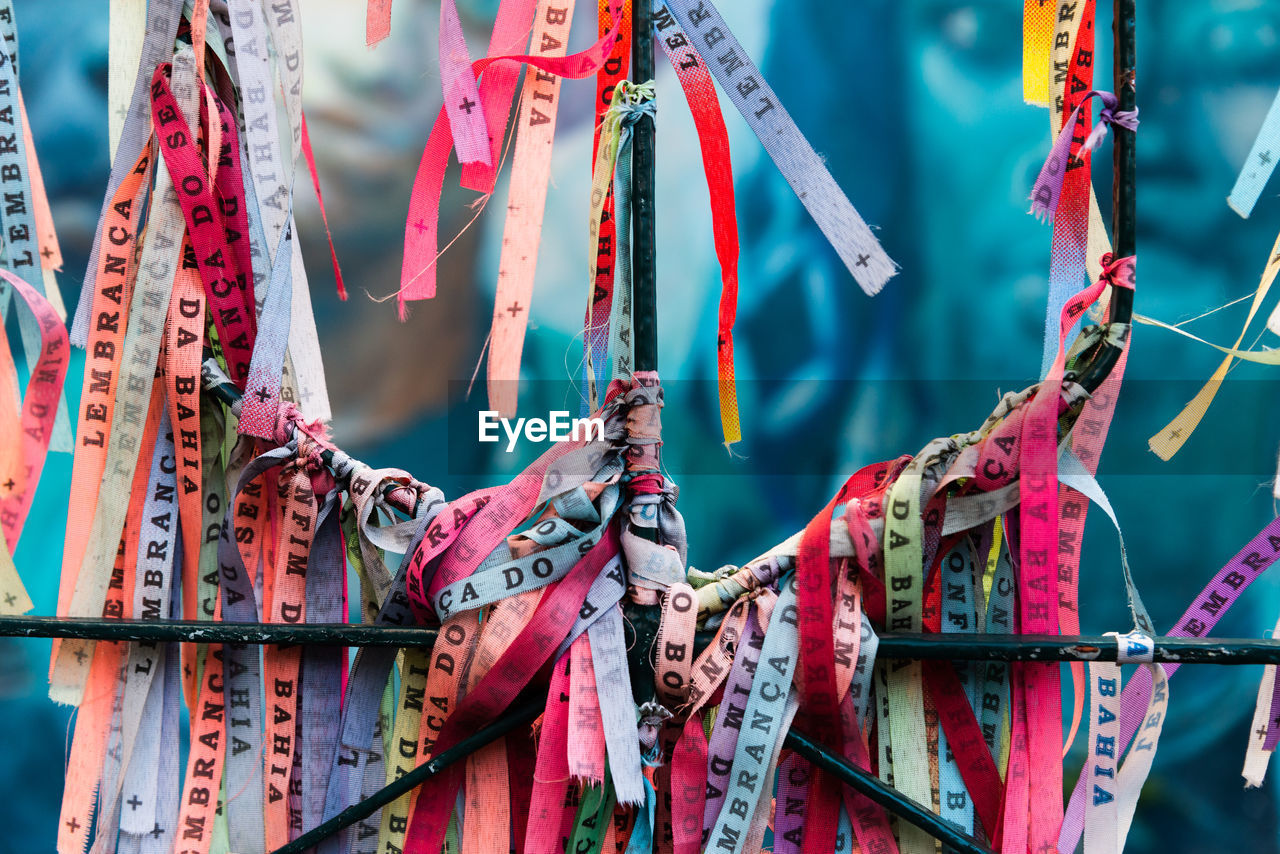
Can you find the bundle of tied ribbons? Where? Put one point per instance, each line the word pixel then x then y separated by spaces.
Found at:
pixel 532 584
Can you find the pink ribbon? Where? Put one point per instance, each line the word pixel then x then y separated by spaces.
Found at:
pixel 418 273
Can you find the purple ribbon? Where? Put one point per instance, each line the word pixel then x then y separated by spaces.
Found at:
pixel 724 735
pixel 1048 186
pixel 321 712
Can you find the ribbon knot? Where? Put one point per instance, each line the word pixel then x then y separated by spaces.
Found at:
pixel 290 422
pixel 1118 272
pixel 310 454
pixel 635 100
pixel 1127 119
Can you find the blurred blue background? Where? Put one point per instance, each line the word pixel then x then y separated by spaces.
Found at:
pixel 917 107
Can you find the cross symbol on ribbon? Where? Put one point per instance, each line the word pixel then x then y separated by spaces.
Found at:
pixel 262 394
pixel 134 803
pixel 467 104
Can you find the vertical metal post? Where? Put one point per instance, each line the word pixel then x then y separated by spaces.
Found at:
pixel 1124 206
pixel 644 299
pixel 1124 212
pixel 643 621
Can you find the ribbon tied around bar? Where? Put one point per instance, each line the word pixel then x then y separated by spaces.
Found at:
pixel 1048 186
pixel 1135 647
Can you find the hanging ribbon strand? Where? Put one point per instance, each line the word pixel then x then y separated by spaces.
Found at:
pixel 1037 43
pixel 804 170
pixel 531 173
pixel 27 430
pixel 713 140
pixel 29 244
pixel 421 251
pixel 595 344
pixel 1259 165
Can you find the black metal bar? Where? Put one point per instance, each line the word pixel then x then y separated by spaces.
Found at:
pixel 1075 648
pixel 644 309
pixel 1124 212
pixel 644 292
pixel 189 631
pixel 515 717
pixel 640 623
pixel 885 795
pixel 907 646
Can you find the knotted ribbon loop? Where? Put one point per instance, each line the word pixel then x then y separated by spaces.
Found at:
pixel 290 423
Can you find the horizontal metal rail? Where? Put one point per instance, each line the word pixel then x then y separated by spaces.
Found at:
pixel 190 631
pixel 913 646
